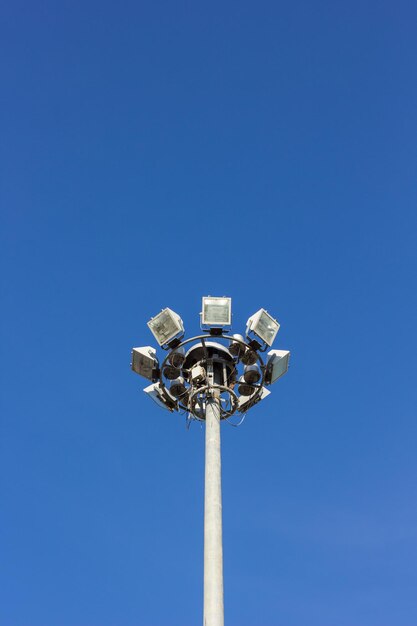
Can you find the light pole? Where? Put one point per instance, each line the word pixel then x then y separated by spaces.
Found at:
pixel 211 377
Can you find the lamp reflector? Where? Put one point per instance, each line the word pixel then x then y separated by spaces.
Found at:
pixel 144 362
pixel 264 326
pixel 170 372
pixel 217 311
pixel 165 326
pixel 177 357
pixel 177 387
pixel 252 373
pixel 250 357
pixel 276 365
pixel 236 348
pixel 244 388
pixel 155 393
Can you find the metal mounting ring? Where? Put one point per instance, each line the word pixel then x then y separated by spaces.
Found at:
pixel 230 339
pixel 206 389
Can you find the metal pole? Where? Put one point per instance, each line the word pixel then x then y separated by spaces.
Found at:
pixel 213 548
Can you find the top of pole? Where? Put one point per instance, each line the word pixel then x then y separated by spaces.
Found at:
pixel 229 367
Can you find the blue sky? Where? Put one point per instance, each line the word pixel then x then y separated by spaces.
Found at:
pixel 152 153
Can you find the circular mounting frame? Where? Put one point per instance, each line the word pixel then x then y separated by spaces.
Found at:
pixel 197 394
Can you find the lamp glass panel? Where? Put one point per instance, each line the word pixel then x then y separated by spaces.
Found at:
pixel 217 311
pixel 266 328
pixel 165 326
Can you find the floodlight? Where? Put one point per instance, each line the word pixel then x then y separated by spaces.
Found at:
pixel 244 388
pixel 177 387
pixel 166 326
pixel 247 402
pixel 250 357
pixel 177 357
pixel 144 362
pixel 264 326
pixel 252 373
pixel 276 365
pixel 155 393
pixel 170 372
pixel 236 348
pixel 217 311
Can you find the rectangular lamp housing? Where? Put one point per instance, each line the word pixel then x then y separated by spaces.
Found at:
pixel 276 365
pixel 216 311
pixel 264 326
pixel 166 326
pixel 246 402
pixel 144 362
pixel 154 392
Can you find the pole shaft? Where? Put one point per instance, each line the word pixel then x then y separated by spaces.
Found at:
pixel 213 548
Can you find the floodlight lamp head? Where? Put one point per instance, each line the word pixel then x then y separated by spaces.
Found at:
pixel 245 388
pixel 251 374
pixel 145 363
pixel 170 372
pixel 237 346
pixel 276 365
pixel 249 357
pixel 263 326
pixel 166 327
pixel 165 401
pixel 178 387
pixel 216 312
pixel 177 357
pixel 247 402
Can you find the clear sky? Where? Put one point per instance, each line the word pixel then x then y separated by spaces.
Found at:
pixel 152 153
